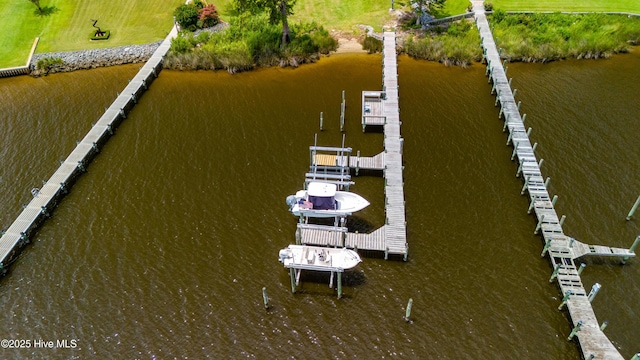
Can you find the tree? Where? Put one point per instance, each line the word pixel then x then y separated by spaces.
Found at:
pixel 278 11
pixel 37 4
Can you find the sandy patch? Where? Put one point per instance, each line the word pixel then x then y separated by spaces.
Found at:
pixel 349 46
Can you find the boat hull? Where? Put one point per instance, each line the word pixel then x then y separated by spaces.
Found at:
pixel 319 258
pixel 347 203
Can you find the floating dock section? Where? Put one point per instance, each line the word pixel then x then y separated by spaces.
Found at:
pixel 561 249
pixel 47 198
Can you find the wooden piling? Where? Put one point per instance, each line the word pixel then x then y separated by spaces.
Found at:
pixel 321 120
pixel 265 298
pixel 292 272
pixel 407 315
pixel 339 285
pixel 632 248
pixel 566 297
pixel 594 291
pixel 633 209
pixel 575 330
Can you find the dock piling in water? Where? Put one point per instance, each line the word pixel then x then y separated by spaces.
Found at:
pixel 632 248
pixel 575 330
pixel 265 298
pixel 407 315
pixel 581 268
pixel 633 209
pixel 594 291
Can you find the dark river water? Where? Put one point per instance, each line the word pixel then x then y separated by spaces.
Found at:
pixel 161 250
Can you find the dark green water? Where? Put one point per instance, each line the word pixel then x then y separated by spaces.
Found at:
pixel 162 248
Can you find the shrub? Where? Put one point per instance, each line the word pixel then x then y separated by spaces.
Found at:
pixel 208 16
pixel 186 16
pixel 372 45
pixel 47 63
pixel 488 7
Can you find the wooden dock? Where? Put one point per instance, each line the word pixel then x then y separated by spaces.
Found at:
pixel 47 198
pixel 378 108
pixel 560 248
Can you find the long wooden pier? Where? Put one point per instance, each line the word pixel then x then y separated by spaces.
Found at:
pixel 379 108
pixel 561 249
pixel 47 198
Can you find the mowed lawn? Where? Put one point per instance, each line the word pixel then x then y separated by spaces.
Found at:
pixel 342 15
pixel 68 29
pixel 628 6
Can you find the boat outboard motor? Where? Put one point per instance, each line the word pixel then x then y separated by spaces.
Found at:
pixel 284 254
pixel 291 200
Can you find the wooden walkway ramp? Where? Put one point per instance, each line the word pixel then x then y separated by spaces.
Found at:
pixel 559 247
pixel 46 199
pixel 396 231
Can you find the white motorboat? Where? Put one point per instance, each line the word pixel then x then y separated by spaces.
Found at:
pixel 319 258
pixel 322 199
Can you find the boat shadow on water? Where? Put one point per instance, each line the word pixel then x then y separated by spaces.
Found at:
pixel 316 283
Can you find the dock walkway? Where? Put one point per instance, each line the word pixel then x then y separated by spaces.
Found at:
pixel 47 198
pixel 379 108
pixel 560 248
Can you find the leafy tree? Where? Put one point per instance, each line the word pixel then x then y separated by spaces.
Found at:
pixel 278 11
pixel 37 4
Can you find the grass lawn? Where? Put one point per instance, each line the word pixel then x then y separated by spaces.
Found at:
pixel 68 29
pixel 332 14
pixel 630 6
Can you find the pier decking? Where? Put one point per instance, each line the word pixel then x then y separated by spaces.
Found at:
pixel 46 199
pixel 561 249
pixel 379 108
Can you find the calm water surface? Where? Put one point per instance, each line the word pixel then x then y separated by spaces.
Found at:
pixel 162 248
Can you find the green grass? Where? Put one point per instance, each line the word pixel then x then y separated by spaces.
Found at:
pixel 338 15
pixel 130 22
pixel 631 6
pixel 456 7
pixel 547 37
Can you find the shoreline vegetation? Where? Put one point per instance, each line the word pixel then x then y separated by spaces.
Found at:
pixel 246 42
pixel 527 37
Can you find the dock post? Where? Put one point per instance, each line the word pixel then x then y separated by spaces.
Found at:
pixel 292 272
pixel 604 325
pixel 510 82
pixel 547 245
pixel 515 91
pixel 339 285
pixel 321 119
pixel 571 241
pixel 632 248
pixel 546 182
pixel 524 117
pixel 386 253
pixel 562 220
pixel 342 106
pixel 497 98
pixel 594 291
pixel 532 204
pixel 515 150
pixel 265 298
pixel 519 103
pixel 509 137
pixel 554 200
pixel 581 268
pixel 520 168
pixel 529 132
pixel 535 232
pixel 407 314
pixel 540 162
pixel 357 162
pixel 533 148
pixel 633 209
pixel 526 183
pixel 506 122
pixel 565 299
pixel 575 330
pixel 539 225
pixel 554 275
